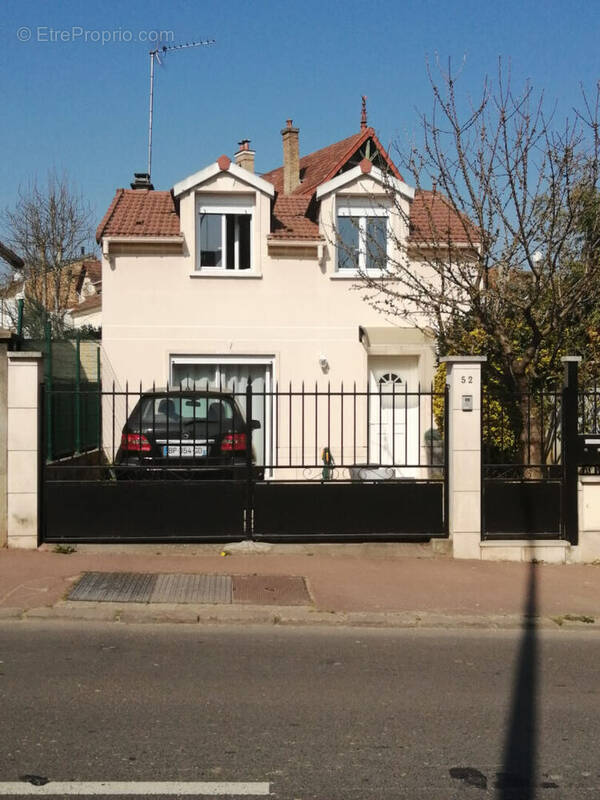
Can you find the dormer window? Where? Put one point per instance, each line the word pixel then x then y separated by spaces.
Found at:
pixel 224 233
pixel 362 233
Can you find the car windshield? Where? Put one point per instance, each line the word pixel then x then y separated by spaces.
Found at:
pixel 186 408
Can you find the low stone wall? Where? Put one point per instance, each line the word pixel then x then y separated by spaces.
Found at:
pixel 588 549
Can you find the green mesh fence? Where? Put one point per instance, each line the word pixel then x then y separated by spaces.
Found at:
pixel 72 402
pixel 72 416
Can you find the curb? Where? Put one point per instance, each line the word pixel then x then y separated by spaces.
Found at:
pixel 298 616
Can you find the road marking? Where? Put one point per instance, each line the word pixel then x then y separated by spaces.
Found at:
pixel 176 788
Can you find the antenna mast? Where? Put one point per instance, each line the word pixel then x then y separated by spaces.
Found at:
pixel 155 55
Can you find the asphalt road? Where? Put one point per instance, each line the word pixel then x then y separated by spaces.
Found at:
pixel 335 714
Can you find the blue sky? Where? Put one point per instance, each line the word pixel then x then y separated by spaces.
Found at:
pixel 82 106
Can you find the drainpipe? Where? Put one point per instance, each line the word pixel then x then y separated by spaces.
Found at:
pixel 20 304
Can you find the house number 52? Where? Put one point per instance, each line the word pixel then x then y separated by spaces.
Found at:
pixel 466 379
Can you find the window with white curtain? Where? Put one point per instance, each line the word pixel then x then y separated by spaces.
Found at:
pixel 198 373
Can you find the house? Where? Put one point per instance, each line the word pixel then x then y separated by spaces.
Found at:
pixel 79 290
pixel 8 300
pixel 88 289
pixel 232 276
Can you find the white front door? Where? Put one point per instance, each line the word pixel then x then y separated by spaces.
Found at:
pixel 232 375
pixel 394 413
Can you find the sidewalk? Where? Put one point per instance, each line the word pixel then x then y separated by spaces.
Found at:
pixel 376 584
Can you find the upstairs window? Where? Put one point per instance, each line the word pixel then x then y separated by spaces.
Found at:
pixel 224 234
pixel 362 238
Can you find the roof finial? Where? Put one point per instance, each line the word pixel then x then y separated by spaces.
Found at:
pixel 363 116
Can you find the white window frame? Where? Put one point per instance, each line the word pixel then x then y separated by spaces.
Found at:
pixel 356 207
pixel 223 205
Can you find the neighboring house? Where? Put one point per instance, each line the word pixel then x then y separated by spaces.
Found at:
pixel 81 298
pixel 231 275
pixel 88 309
pixel 8 300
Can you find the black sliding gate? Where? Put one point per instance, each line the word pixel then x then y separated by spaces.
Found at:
pixel 324 465
pixel 530 463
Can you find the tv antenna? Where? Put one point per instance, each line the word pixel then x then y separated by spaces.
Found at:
pixel 155 55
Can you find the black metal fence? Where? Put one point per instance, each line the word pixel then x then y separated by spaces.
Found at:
pixel 295 463
pixel 521 434
pixel 588 416
pixel 73 419
pixel 314 433
pixel 522 464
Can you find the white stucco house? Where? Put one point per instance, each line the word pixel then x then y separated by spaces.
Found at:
pixel 231 275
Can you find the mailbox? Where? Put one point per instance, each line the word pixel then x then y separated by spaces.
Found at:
pixel 588 449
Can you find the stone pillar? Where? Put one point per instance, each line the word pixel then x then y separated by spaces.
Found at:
pixel 464 454
pixel 5 337
pixel 24 378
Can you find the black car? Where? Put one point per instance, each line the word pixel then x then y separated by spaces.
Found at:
pixel 186 434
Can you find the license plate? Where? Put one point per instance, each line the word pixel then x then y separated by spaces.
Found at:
pixel 185 451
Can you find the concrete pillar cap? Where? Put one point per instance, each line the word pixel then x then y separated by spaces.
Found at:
pixel 463 359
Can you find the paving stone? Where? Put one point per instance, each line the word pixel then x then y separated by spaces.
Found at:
pixel 11 612
pixel 91 612
pixel 151 614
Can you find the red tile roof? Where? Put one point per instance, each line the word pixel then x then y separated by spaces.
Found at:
pixel 140 212
pixel 93 270
pixel 144 212
pixel 294 217
pixel 95 301
pixel 432 218
pixel 292 220
pixel 322 165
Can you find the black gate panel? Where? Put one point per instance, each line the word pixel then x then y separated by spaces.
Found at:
pixel 521 509
pixel 328 510
pixel 332 457
pixel 144 511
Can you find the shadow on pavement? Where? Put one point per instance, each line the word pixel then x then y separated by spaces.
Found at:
pixel 518 776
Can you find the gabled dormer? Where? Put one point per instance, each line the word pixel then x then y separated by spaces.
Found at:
pixel 331 202
pixel 225 211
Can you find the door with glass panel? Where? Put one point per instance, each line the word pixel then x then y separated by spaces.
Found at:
pixel 394 414
pixel 233 376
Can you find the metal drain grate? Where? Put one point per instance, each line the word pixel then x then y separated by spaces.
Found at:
pixel 132 587
pixel 192 589
pixel 114 587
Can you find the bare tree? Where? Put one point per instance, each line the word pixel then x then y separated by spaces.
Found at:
pixel 48 227
pixel 508 240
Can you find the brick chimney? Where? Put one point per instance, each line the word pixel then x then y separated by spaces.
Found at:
pixel 291 158
pixel 245 157
pixel 141 180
